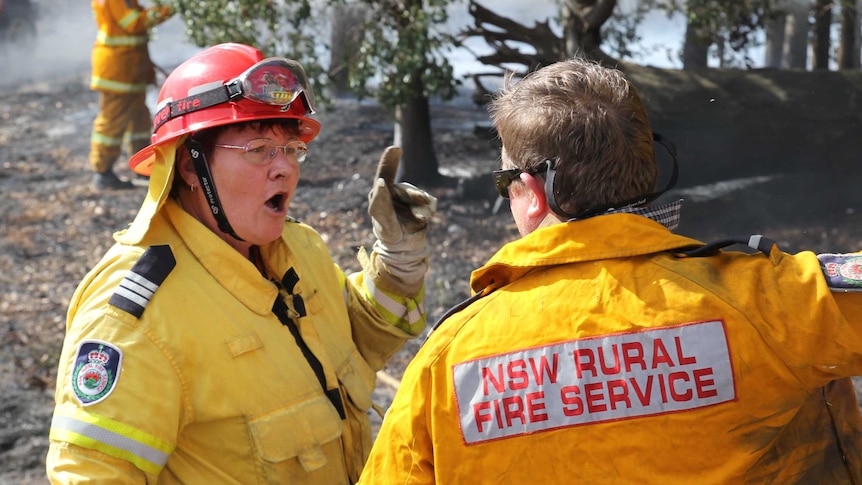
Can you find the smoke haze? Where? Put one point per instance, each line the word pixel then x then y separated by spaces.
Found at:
pixel 65 32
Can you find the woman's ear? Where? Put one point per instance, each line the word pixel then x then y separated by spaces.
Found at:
pixel 185 166
pixel 538 207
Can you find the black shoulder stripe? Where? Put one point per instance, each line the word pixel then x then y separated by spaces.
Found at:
pixel 142 281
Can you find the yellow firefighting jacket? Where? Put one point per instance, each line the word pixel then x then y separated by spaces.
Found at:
pixel 120 57
pixel 175 368
pixel 598 355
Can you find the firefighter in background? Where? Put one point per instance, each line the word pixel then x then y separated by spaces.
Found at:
pixel 121 72
pixel 217 341
pixel 601 347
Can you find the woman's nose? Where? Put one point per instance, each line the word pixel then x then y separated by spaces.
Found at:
pixel 283 162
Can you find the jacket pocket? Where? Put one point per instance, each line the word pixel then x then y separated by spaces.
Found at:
pixel 298 431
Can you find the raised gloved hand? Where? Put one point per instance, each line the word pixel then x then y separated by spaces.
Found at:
pixel 158 14
pixel 399 215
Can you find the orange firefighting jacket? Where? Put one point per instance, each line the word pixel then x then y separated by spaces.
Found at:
pixel 120 57
pixel 175 368
pixel 596 354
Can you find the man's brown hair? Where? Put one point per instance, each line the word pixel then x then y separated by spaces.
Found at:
pixel 587 118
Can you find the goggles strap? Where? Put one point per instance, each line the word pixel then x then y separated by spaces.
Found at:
pixel 633 202
pixel 196 102
pixel 208 187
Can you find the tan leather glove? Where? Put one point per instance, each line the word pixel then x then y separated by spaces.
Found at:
pixel 400 213
pixel 158 14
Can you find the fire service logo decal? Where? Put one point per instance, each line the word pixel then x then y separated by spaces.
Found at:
pixel 842 271
pixel 594 380
pixel 97 368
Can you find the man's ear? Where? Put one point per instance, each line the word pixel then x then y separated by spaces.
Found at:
pixel 538 207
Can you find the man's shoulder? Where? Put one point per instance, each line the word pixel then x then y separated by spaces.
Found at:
pixel 843 271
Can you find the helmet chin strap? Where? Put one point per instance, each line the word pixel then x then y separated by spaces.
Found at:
pixel 638 201
pixel 208 187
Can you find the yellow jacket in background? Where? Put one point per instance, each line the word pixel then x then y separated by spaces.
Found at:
pixel 176 370
pixel 120 57
pixel 598 355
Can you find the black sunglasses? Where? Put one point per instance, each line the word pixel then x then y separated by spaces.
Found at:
pixel 504 178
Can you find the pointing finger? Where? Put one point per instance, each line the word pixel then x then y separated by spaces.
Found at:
pixel 387 168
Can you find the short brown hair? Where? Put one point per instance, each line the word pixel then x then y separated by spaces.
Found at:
pixel 587 118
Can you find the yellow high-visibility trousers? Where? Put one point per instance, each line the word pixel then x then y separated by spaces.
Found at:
pixel 123 120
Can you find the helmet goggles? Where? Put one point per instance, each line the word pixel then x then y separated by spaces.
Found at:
pixel 273 81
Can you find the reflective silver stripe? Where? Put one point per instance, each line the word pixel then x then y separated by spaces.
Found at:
pixel 415 315
pixel 109 141
pixel 120 40
pixel 129 19
pixel 131 276
pixel 393 306
pixel 110 438
pixel 132 296
pixel 136 288
pixel 120 87
pixel 140 136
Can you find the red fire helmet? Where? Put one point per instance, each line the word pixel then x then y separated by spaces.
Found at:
pixel 226 84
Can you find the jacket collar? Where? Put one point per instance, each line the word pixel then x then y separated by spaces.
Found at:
pixel 233 271
pixel 604 237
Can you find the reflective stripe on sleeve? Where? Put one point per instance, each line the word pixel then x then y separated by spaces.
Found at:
pixel 129 19
pixel 91 431
pixel 411 311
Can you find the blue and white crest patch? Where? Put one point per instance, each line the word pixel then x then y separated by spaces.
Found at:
pixel 842 271
pixel 96 370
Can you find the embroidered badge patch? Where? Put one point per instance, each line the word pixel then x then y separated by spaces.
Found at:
pixel 96 370
pixel 842 271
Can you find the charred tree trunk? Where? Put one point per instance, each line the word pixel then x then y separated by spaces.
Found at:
pixel 419 164
pixel 774 55
pixel 696 47
pixel 796 35
pixel 848 48
pixel 582 24
pixel 413 123
pixel 822 26
pixel 347 21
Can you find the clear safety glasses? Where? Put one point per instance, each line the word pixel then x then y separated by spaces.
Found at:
pixel 261 151
pixel 274 81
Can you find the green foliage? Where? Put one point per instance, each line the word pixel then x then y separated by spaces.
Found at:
pixel 620 35
pixel 730 25
pixel 402 43
pixel 404 50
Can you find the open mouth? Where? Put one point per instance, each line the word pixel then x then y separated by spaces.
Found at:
pixel 276 202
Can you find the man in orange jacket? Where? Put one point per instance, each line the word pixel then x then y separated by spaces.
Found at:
pixel 121 72
pixel 601 347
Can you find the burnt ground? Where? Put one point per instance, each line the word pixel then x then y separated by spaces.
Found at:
pixel 760 152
